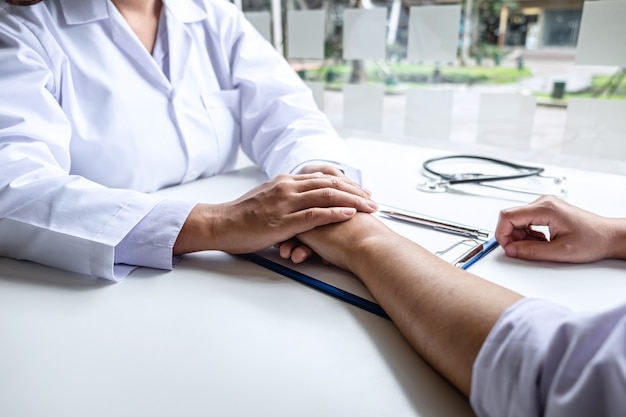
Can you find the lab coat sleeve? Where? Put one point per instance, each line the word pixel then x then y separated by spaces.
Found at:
pixel 281 124
pixel 46 214
pixel 151 241
pixel 544 360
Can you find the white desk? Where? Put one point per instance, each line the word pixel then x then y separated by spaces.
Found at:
pixel 219 336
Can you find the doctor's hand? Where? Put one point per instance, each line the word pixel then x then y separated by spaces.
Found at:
pixel 271 213
pixel 293 248
pixel 575 235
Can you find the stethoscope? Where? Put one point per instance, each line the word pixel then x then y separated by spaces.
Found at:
pixel 441 182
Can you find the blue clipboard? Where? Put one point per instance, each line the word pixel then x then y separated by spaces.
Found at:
pixel 316 284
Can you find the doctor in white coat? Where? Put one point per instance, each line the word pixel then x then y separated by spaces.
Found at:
pixel 104 101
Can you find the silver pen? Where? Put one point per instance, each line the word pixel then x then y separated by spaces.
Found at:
pixel 435 223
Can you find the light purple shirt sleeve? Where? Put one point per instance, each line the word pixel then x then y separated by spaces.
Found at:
pixel 541 359
pixel 151 241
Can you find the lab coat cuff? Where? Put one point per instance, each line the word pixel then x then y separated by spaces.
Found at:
pixel 150 243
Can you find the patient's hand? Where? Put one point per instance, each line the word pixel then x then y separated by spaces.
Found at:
pixel 344 244
pixel 576 235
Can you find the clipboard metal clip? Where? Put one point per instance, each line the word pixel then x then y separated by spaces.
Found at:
pixel 465 252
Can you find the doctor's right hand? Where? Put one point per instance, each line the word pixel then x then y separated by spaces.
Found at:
pixel 575 235
pixel 272 212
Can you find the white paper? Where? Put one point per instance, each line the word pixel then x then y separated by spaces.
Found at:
pixel 595 129
pixel 428 114
pixel 261 22
pixel 506 120
pixel 305 34
pixel 602 33
pixel 433 33
pixel 363 107
pixel 364 33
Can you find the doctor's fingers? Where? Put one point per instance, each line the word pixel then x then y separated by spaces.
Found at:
pixel 333 171
pixel 305 182
pixel 302 221
pixel 330 197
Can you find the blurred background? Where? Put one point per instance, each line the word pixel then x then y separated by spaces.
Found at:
pixel 533 79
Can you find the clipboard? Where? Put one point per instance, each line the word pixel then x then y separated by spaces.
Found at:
pixel 460 251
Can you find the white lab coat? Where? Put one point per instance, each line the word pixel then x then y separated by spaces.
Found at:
pixel 89 123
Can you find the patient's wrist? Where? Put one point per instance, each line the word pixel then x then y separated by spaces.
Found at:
pixel 368 243
pixel 618 238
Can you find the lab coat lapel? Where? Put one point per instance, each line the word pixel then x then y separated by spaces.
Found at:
pixel 180 13
pixel 179 41
pixel 77 12
pixel 130 44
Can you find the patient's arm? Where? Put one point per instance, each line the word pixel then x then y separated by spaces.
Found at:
pixel 443 311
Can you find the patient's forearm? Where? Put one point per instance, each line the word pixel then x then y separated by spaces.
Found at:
pixel 444 312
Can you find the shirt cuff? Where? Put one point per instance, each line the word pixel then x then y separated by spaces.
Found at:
pixel 150 243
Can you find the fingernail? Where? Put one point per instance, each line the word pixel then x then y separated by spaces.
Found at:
pixel 511 251
pixel 348 211
pixel 372 205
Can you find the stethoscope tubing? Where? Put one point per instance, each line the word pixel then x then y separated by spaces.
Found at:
pixel 528 171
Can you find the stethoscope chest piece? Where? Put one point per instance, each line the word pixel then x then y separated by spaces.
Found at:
pixel 434 186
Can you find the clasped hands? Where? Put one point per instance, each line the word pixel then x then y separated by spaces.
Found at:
pixel 273 213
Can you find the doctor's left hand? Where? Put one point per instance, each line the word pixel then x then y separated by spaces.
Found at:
pixel 272 213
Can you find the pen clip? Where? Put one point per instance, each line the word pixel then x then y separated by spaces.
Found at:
pixel 455 231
